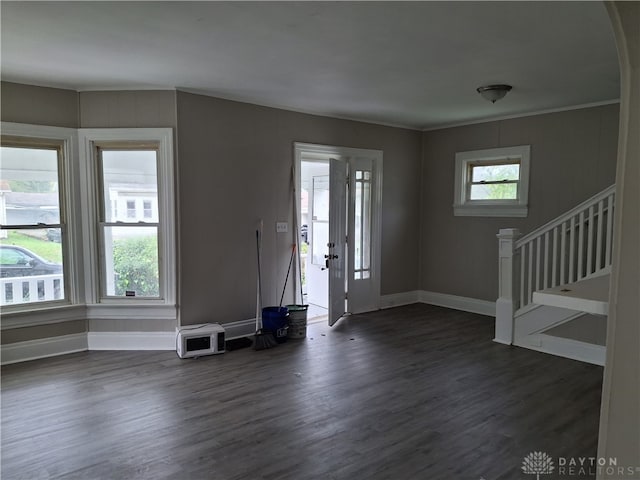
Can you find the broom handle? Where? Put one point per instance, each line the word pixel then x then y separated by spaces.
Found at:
pixel 286 280
pixel 259 283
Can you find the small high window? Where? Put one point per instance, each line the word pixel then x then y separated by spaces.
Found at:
pixel 492 183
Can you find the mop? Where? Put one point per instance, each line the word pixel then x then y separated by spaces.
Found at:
pixel 264 339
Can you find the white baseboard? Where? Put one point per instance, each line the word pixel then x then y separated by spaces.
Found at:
pixel 399 299
pixel 466 304
pixel 43 348
pixel 565 347
pixel 131 340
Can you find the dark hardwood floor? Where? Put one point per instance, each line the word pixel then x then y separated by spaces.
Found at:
pixel 416 392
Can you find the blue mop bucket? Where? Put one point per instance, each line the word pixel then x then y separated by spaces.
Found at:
pixel 276 321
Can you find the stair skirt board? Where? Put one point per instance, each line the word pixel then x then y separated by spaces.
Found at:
pixel 541 318
pixel 564 347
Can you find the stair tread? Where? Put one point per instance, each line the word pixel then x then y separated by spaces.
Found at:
pixel 590 295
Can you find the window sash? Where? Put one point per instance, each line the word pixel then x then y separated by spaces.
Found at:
pixel 108 283
pixel 44 289
pixel 469 183
pixel 107 279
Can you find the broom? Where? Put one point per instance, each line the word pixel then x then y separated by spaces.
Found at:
pixel 264 339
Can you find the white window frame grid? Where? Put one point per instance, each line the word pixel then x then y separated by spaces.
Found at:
pixel 67 138
pixel 89 140
pixel 464 206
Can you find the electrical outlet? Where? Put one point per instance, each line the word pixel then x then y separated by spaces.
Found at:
pixel 282 227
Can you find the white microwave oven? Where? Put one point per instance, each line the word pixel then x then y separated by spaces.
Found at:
pixel 199 340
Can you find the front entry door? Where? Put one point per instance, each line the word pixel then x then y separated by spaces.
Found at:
pixel 335 258
pixel 353 251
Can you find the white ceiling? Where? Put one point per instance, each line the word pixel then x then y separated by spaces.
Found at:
pixel 414 64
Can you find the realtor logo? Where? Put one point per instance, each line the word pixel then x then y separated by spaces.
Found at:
pixel 537 463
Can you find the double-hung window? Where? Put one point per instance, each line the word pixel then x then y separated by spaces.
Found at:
pixel 128 244
pixel 92 226
pixel 492 183
pixel 34 233
pixel 129 176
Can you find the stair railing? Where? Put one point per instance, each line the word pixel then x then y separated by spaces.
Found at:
pixel 575 246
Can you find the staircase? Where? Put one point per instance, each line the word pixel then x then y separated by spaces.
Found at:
pixel 558 275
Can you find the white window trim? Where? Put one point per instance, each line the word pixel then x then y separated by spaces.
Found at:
pixel 462 206
pixel 88 138
pixel 72 246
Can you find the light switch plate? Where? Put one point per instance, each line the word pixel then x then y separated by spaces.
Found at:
pixel 282 227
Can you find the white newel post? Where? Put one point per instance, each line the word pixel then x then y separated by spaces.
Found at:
pixel 505 305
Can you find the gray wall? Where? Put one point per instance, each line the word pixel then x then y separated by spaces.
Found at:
pixel 573 156
pixel 51 330
pixel 128 109
pixel 39 105
pixel 234 169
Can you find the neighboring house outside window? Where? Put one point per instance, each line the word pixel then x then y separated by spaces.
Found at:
pixel 131 209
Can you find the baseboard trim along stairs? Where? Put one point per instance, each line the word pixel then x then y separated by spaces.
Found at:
pixel 565 347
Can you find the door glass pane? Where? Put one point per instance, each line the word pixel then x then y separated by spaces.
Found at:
pixel 319 219
pixel 130 185
pixel 320 207
pixel 29 186
pixel 362 225
pixel 366 225
pixel 358 226
pixel 319 241
pixel 131 261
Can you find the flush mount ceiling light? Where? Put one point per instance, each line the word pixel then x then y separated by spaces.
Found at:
pixel 494 92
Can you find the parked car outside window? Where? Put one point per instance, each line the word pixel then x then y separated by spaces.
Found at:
pixel 19 262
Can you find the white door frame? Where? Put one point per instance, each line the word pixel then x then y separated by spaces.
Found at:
pixel 324 153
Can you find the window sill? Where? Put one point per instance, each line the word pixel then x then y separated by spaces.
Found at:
pixel 124 312
pixel 490 210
